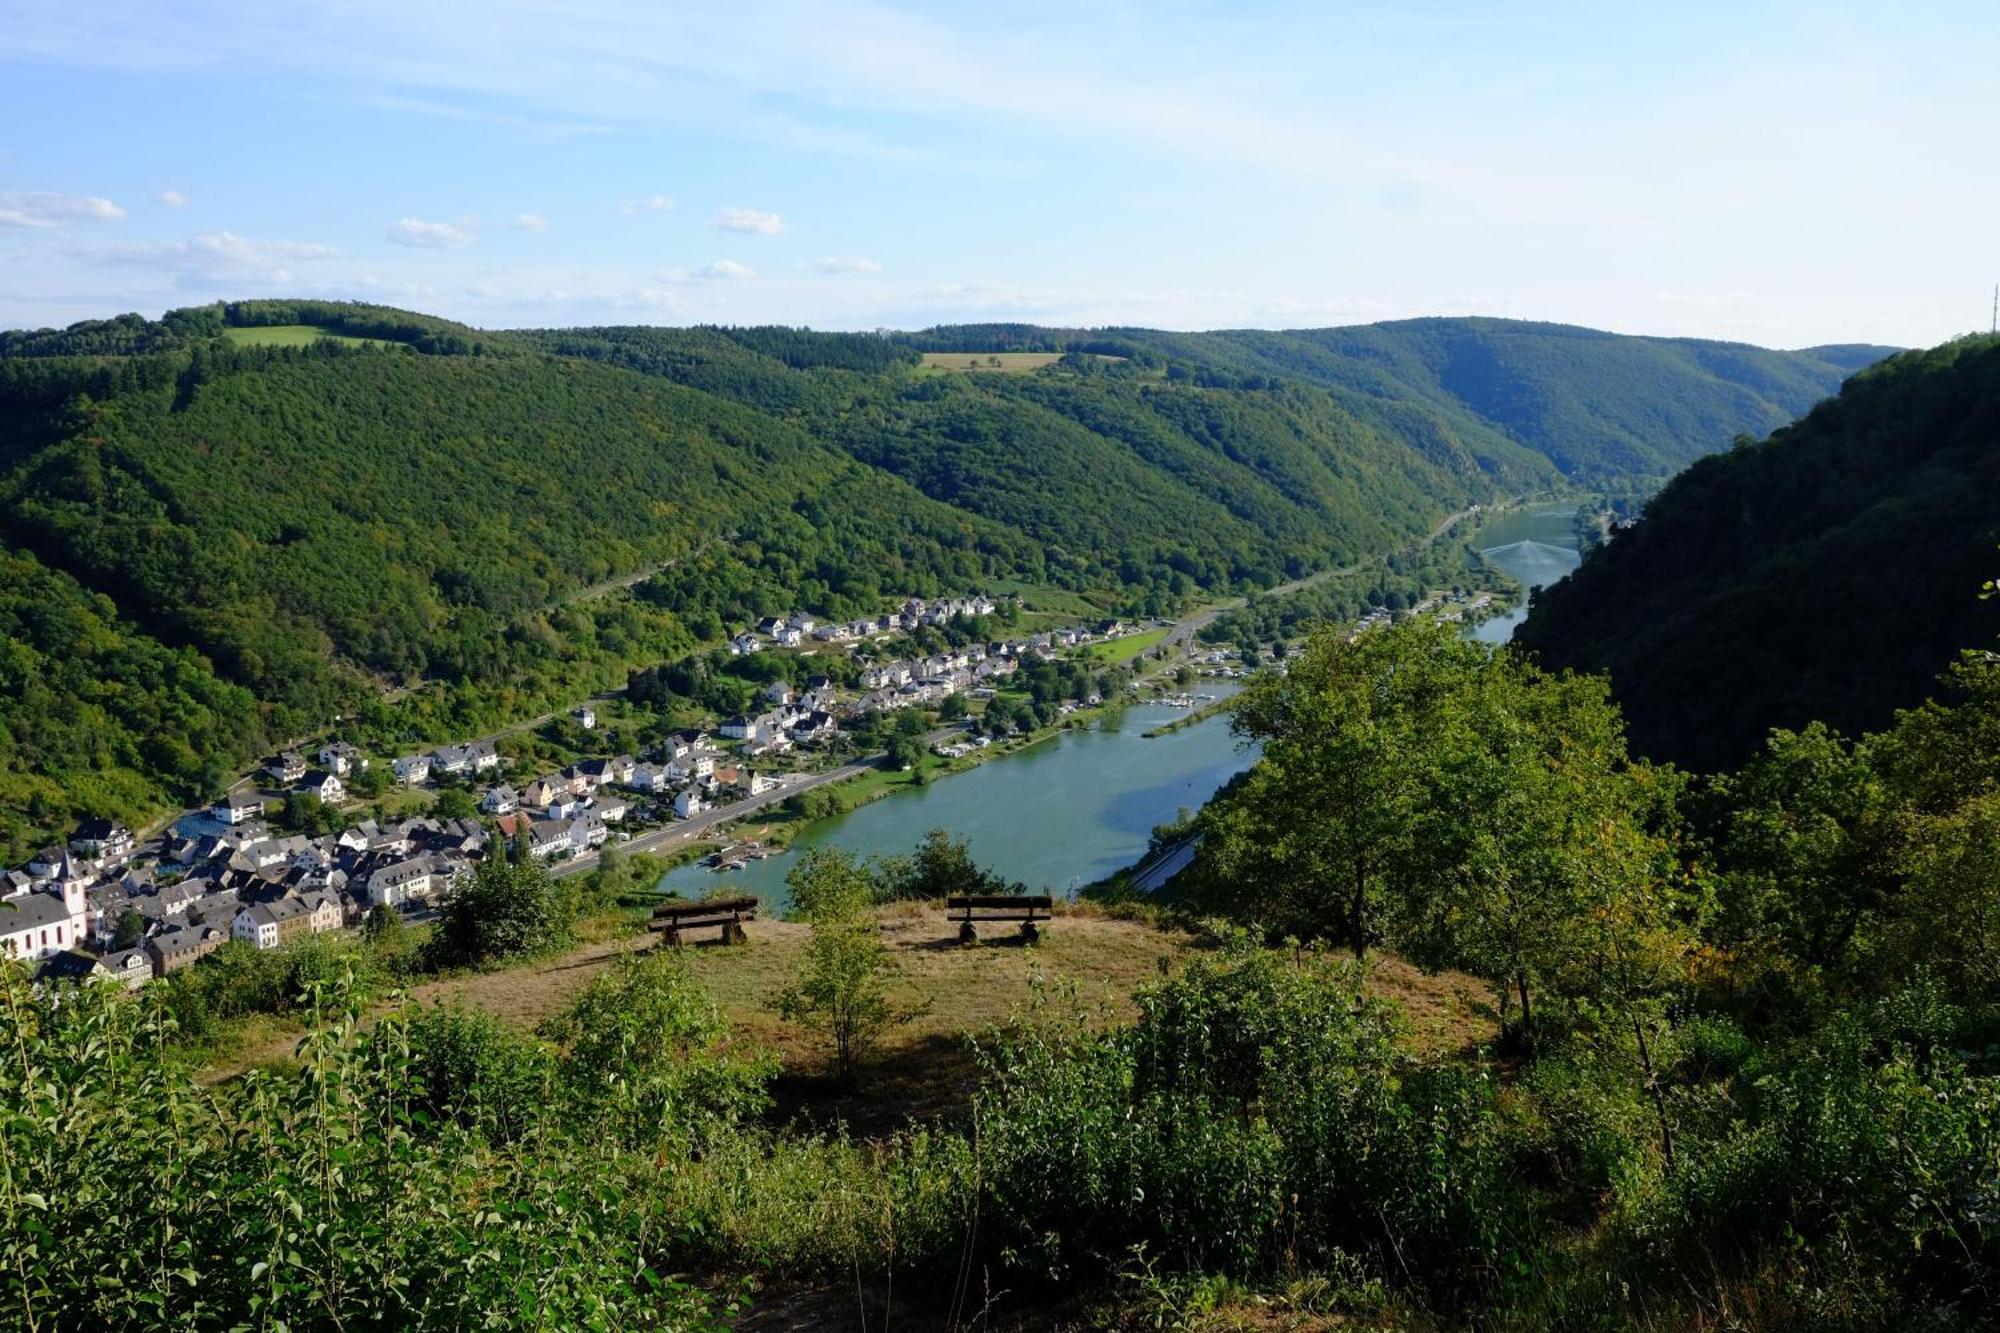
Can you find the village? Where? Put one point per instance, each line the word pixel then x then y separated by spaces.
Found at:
pixel 107 904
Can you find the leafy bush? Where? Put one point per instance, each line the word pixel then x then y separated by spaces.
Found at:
pixel 644 1057
pixel 503 910
pixel 325 1198
pixel 1258 1117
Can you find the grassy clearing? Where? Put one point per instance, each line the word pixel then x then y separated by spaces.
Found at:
pixel 295 335
pixel 1113 651
pixel 1004 363
pixel 1000 363
pixel 923 1068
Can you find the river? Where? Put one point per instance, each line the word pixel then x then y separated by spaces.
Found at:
pixel 1074 808
pixel 1537 545
pixel 1056 816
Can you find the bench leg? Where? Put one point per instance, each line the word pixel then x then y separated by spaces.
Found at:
pixel 672 936
pixel 966 933
pixel 732 932
pixel 1029 933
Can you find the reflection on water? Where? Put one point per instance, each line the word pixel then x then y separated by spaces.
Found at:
pixel 1537 545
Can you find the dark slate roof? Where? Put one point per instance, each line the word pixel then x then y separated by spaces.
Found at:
pixel 32 910
pixel 67 966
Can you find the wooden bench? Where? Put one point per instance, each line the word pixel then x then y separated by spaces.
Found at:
pixel 671 918
pixel 1024 908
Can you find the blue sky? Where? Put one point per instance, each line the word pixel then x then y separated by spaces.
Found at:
pixel 1780 173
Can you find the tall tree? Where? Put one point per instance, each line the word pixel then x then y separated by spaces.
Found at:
pixel 1320 829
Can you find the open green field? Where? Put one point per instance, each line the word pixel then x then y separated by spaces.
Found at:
pixel 1004 363
pixel 1124 649
pixel 293 335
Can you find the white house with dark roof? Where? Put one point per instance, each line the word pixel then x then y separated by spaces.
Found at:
pixel 104 841
pixel 342 759
pixel 477 757
pixel 327 786
pixel 130 968
pixel 550 837
pixel 287 768
pixel 44 924
pixel 239 806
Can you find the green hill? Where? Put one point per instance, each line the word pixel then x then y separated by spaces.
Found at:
pixel 407 509
pixel 1827 573
pixel 1598 405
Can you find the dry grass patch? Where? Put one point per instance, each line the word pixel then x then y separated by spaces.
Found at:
pixel 924 1068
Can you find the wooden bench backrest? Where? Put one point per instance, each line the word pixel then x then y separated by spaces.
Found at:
pixel 745 905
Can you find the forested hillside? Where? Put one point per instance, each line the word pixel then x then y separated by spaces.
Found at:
pixel 1598 405
pixel 1826 574
pixel 318 526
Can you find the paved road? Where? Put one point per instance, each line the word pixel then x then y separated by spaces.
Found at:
pixel 1182 636
pixel 683 831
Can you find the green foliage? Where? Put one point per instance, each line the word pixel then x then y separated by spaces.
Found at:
pixel 1260 1116
pixel 644 1057
pixel 845 985
pixel 1872 1160
pixel 1730 608
pixel 330 1197
pixel 96 719
pixel 939 867
pixel 303 812
pixel 1476 810
pixel 504 909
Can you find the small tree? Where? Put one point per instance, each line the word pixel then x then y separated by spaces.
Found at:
pixel 455 803
pixel 130 930
pixel 844 985
pixel 504 909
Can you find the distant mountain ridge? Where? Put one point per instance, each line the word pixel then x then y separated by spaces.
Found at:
pixel 1828 573
pixel 1598 405
pixel 313 521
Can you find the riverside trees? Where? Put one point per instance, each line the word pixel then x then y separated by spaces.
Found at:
pixel 1476 811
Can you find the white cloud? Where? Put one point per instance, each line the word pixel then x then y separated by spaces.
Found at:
pixel 750 220
pixel 841 264
pixel 44 208
pixel 720 270
pixel 434 235
pixel 652 203
pixel 216 258
pixel 172 198
pixel 535 222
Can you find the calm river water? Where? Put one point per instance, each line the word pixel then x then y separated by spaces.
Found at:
pixel 1537 545
pixel 1062 814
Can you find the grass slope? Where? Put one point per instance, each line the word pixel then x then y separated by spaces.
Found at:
pixel 294 335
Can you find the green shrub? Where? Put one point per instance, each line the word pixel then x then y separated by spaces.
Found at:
pixel 1259 1117
pixel 504 909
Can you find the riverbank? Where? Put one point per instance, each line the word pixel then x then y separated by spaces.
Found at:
pixel 1069 806
pixel 1214 708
